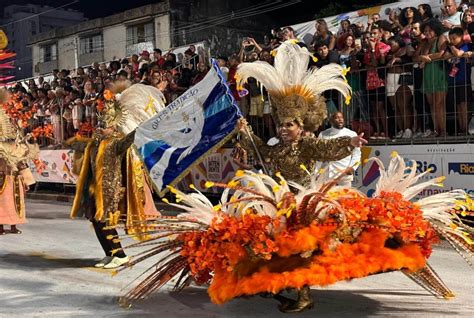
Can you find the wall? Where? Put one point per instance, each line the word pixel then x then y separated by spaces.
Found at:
pixel 67 53
pixel 223 39
pixel 114 34
pixel 88 59
pixel 162 32
pixel 115 38
pixel 20 31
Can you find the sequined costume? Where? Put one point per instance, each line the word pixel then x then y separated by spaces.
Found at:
pixel 112 187
pixel 15 176
pixel 287 159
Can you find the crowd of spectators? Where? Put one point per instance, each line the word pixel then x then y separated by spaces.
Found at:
pixel 411 73
pixel 67 103
pixel 403 70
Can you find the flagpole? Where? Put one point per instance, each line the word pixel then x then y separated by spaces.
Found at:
pixel 256 150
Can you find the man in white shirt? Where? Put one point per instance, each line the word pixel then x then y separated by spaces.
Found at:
pixel 453 16
pixel 334 168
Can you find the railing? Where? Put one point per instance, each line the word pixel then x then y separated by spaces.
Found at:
pixel 412 106
pixel 416 104
pixel 56 121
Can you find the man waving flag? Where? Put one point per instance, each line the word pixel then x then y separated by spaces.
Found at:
pixel 199 121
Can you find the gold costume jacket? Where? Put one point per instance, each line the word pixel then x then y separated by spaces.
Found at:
pixel 111 183
pixel 287 159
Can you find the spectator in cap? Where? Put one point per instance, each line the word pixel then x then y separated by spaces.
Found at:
pixel 144 58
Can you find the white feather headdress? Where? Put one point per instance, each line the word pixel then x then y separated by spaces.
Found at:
pixel 131 105
pixel 295 91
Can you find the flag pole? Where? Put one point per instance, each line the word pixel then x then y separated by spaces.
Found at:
pixel 256 150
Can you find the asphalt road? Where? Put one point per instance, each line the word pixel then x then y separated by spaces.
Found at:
pixel 47 272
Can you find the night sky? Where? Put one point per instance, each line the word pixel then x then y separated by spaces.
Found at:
pixel 301 12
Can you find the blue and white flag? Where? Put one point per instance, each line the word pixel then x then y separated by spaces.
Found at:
pixel 199 121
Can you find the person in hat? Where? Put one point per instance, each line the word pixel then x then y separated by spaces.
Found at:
pixel 297 110
pixel 15 176
pixel 144 59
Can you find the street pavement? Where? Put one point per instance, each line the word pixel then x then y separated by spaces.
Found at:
pixel 47 272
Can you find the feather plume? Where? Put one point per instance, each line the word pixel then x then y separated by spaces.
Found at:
pixel 294 90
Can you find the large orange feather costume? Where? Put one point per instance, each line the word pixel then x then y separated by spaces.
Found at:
pixel 270 234
pixel 264 238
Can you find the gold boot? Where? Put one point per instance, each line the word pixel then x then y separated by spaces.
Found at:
pixel 284 302
pixel 305 301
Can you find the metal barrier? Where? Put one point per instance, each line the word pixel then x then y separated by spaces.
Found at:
pixel 412 106
pixel 416 102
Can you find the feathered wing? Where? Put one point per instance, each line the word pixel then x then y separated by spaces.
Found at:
pixel 140 102
pixel 260 194
pixel 437 209
pixel 262 72
pixel 326 78
pixel 291 63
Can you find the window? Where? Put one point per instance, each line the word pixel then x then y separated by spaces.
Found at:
pixel 48 53
pixel 140 33
pixel 140 37
pixel 91 44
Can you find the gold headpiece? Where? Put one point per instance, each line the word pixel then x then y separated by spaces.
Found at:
pixel 126 107
pixel 296 92
pixel 14 147
pixel 112 115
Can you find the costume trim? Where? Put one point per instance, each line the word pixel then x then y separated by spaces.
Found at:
pixel 3 183
pixel 81 181
pixel 136 218
pixel 347 261
pixel 99 174
pixel 265 238
pixel 17 196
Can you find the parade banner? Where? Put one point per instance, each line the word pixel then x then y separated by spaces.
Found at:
pixel 306 30
pixel 56 167
pixel 454 161
pixel 196 123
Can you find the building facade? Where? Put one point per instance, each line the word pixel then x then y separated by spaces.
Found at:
pixel 22 21
pixel 165 24
pixel 102 40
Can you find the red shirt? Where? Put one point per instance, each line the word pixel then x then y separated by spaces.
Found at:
pixel 381 49
pixel 161 61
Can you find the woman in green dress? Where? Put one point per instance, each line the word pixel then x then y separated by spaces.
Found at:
pixel 430 54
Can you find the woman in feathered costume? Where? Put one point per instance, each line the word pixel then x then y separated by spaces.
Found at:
pixel 299 109
pixel 15 176
pixel 268 235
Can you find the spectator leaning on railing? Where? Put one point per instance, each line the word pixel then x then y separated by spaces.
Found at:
pixel 459 76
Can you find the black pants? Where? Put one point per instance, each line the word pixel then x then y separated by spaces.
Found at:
pixel 107 245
